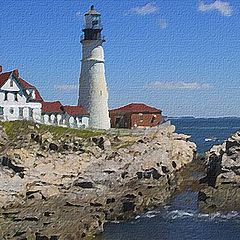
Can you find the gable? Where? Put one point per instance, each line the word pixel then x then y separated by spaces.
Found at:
pixel 11 85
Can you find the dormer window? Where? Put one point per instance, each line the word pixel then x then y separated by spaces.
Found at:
pixel 16 97
pixel 11 83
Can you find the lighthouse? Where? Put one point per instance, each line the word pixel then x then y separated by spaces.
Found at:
pixel 93 93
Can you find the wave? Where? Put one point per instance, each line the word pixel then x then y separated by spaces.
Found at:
pixel 149 214
pixel 176 214
pixel 194 214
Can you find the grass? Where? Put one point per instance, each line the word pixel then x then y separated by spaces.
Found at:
pixel 18 128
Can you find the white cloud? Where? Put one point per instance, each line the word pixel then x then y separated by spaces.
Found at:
pixel 78 14
pixel 177 85
pixel 66 87
pixel 146 9
pixel 162 23
pixel 222 7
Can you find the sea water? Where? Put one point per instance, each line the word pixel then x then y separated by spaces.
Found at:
pixel 181 219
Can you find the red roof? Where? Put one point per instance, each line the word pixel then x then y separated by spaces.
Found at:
pixel 75 110
pixel 38 97
pixel 25 85
pixel 52 107
pixel 137 108
pixel 4 77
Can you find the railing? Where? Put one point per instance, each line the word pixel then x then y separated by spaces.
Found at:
pixel 82 38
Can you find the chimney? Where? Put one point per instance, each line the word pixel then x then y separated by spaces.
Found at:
pixel 16 73
pixel 1 69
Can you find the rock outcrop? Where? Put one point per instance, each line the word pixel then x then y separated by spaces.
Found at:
pixel 222 182
pixel 67 187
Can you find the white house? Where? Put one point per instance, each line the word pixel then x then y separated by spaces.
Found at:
pixel 21 100
pixel 18 98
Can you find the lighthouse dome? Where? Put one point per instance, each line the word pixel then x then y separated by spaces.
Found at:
pixel 92 11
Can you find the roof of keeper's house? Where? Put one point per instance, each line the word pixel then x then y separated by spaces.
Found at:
pixel 52 107
pixel 24 84
pixel 136 108
pixel 75 110
pixel 4 77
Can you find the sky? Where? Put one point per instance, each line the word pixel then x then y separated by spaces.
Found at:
pixel 180 56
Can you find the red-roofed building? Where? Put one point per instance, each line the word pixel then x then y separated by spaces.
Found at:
pixel 53 113
pixel 75 111
pixel 71 116
pixel 77 116
pixel 135 115
pixel 21 100
pixel 18 98
pixel 52 107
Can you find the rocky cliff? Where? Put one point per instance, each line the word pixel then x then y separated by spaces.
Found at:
pixel 222 182
pixel 56 184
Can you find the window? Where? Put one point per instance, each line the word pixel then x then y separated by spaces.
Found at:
pixel 1 112
pixel 30 113
pixel 117 122
pixel 95 22
pixel 153 118
pixel 11 110
pixel 6 96
pixel 16 97
pixel 21 112
pixel 11 83
pixel 140 117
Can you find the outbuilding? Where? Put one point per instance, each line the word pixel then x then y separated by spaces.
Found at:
pixel 135 115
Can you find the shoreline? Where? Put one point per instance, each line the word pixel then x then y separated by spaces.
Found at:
pixel 69 194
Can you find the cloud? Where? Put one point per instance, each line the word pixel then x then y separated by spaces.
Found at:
pixel 66 87
pixel 146 9
pixel 78 14
pixel 177 85
pixel 162 23
pixel 223 8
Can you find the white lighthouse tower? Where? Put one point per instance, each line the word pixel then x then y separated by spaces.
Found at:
pixel 93 93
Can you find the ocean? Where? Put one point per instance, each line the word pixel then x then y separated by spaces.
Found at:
pixel 181 218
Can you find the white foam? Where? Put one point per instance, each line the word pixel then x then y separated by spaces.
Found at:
pixel 179 214
pixel 183 214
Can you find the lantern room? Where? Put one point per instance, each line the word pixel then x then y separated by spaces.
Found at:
pixel 92 19
pixel 92 29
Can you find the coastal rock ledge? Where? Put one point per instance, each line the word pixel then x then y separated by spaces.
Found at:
pixel 221 185
pixel 65 184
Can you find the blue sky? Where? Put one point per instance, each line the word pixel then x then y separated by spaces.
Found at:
pixel 180 56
